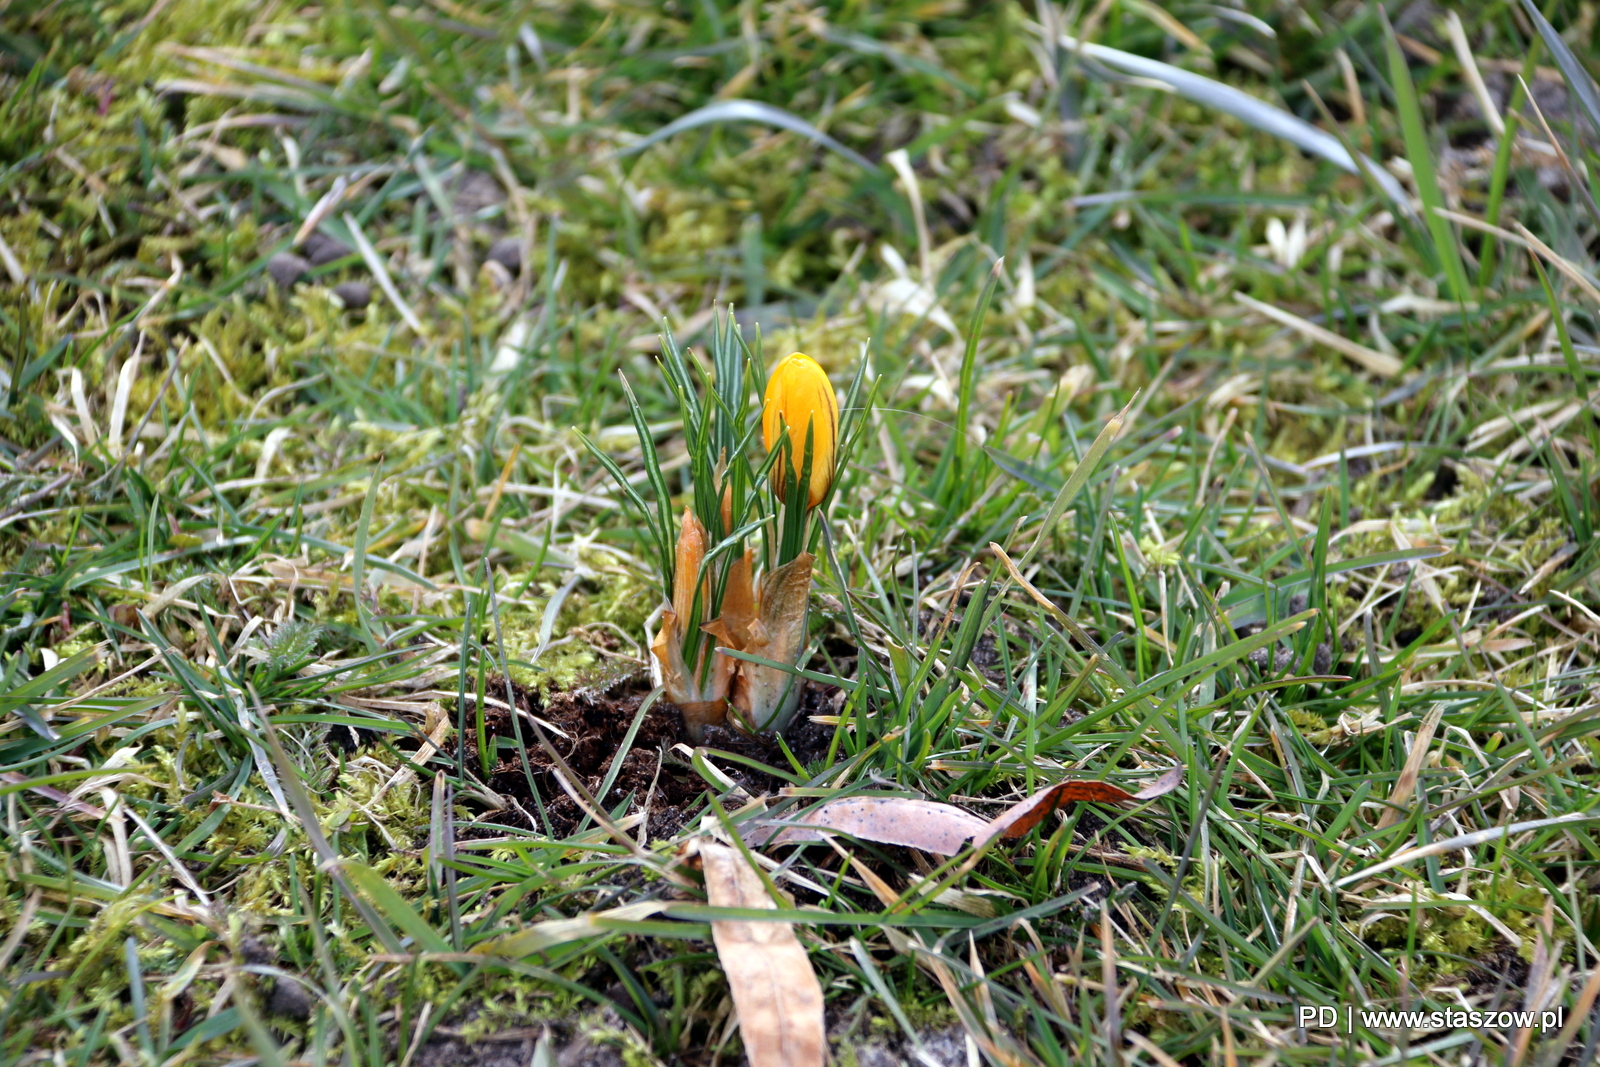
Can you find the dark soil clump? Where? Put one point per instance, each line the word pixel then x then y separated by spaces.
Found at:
pixel 806 740
pixel 1500 971
pixel 590 727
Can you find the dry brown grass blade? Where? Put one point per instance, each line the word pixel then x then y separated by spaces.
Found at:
pixel 1469 71
pixel 1378 363
pixel 901 162
pixel 544 935
pixel 1049 990
pixel 1108 978
pixel 1541 975
pixel 20 928
pixel 51 792
pixel 1352 93
pixel 775 991
pixel 1577 1016
pixel 997 1046
pixel 1406 784
pixel 1526 239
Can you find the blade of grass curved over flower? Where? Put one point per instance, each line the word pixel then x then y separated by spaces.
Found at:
pixel 747 111
pixel 1242 106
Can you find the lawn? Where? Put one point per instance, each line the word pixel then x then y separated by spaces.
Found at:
pixel 1202 625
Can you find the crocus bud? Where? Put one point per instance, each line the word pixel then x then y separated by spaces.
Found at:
pixel 800 396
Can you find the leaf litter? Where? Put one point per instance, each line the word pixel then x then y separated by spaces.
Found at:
pixel 775 990
pixel 944 829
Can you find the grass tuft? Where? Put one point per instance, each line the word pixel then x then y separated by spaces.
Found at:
pixel 348 363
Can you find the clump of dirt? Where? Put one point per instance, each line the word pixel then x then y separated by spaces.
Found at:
pixel 590 727
pixel 1501 972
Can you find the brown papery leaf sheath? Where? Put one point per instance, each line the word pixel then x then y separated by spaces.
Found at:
pixel 702 705
pixel 775 991
pixel 738 604
pixel 776 633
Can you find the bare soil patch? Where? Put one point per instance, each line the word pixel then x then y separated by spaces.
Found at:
pixel 590 729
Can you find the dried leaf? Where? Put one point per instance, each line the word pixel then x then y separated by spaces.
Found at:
pixel 938 828
pixel 1161 786
pixel 775 991
pixel 943 828
pixel 1023 816
pixel 1406 785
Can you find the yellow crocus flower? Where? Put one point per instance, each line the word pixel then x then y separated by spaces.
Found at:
pixel 799 395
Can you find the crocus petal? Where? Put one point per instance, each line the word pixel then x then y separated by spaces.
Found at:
pixel 800 396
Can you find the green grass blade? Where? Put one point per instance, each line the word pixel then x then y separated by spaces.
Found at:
pixel 1420 155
